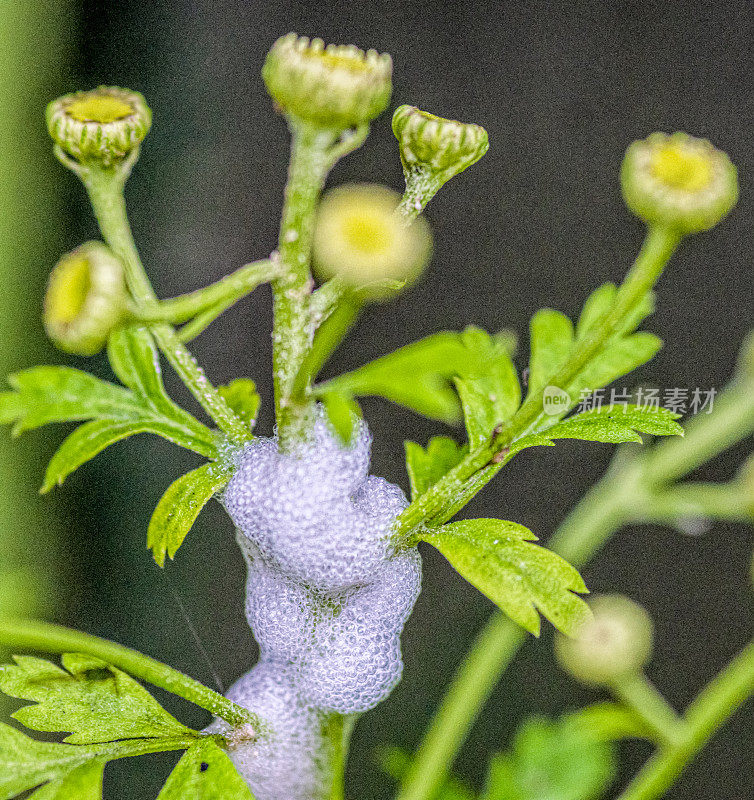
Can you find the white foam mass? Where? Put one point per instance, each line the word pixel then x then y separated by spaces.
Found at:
pixel 327 598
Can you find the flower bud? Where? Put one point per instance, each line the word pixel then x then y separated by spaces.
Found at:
pixel 617 641
pixel 86 298
pixel 102 125
pixel 360 238
pixel 338 86
pixel 678 181
pixel 433 149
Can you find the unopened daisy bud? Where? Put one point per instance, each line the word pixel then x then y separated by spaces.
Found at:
pixel 678 181
pixel 333 86
pixel 360 238
pixel 617 641
pixel 103 125
pixel 433 149
pixel 86 298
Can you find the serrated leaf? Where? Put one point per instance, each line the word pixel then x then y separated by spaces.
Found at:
pixel 551 336
pixel 243 398
pixel 180 506
pixel 342 413
pixel 419 375
pixel 426 467
pixel 205 773
pixel 557 761
pixel 83 783
pixel 522 578
pixel 91 700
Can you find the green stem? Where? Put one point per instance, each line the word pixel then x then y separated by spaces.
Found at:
pixel 457 487
pixel 292 326
pixel 48 638
pixel 337 732
pixel 227 291
pixel 604 509
pixel 105 189
pixel 707 713
pixel 697 500
pixel 642 697
pixel 202 321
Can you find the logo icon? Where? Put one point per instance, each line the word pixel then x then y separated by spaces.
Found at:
pixel 555 401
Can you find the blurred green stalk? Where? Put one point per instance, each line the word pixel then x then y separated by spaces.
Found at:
pixel 34 47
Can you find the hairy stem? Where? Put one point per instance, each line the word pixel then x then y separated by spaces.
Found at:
pixel 292 326
pixel 48 638
pixel 707 713
pixel 105 189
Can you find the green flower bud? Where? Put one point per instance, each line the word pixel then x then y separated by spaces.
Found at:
pixel 434 149
pixel 86 298
pixel 103 125
pixel 617 641
pixel 338 86
pixel 678 181
pixel 360 238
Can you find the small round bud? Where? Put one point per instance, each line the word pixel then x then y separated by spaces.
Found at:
pixel 678 181
pixel 360 238
pixel 442 147
pixel 86 298
pixel 337 86
pixel 617 641
pixel 102 125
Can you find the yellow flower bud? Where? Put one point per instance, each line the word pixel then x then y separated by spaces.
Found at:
pixel 617 641
pixel 86 298
pixel 678 181
pixel 102 125
pixel 360 238
pixel 333 86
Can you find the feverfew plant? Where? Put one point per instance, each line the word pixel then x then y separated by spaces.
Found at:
pixel 333 565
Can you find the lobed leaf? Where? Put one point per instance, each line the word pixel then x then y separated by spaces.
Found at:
pixel 83 783
pixel 243 398
pixel 426 467
pixel 522 578
pixel 180 506
pixel 551 342
pixel 205 773
pixel 93 701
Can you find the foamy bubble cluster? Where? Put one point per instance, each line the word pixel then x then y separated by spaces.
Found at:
pixel 327 598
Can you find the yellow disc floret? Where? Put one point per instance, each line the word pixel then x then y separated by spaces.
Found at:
pixel 678 181
pixel 103 125
pixel 360 238
pixel 333 86
pixel 85 299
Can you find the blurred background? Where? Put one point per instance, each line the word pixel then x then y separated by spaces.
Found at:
pixel 562 89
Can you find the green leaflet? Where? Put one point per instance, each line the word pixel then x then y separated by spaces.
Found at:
pixel 84 783
pixel 342 412
pixel 242 397
pixel 613 424
pixel 609 722
pixel 419 375
pixel 426 467
pixel 522 578
pixel 551 342
pixel 553 760
pixel 180 506
pixel 205 773
pixel 94 701
pixel 60 394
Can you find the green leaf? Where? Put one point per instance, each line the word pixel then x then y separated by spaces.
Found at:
pixel 242 397
pixel 83 783
pixel 62 394
pixel 396 763
pixel 609 722
pixel 180 506
pixel 498 557
pixel 342 413
pixel 205 773
pixel 551 342
pixel 419 375
pixel 552 760
pixel 92 700
pixel 426 467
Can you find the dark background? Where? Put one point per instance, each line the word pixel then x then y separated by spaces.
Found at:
pixel 562 89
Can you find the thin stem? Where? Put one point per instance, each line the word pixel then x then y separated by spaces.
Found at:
pixel 697 500
pixel 338 729
pixel 105 189
pixel 292 326
pixel 48 638
pixel 457 487
pixel 642 697
pixel 202 321
pixel 712 707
